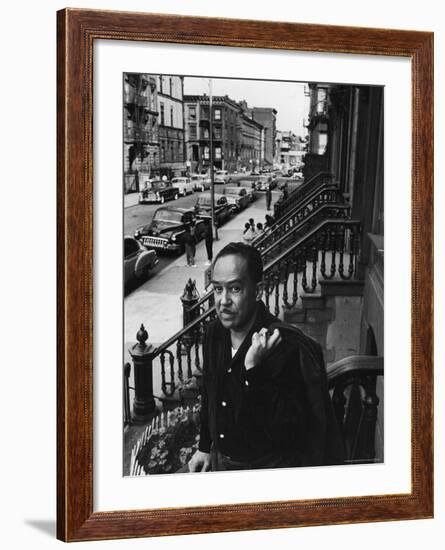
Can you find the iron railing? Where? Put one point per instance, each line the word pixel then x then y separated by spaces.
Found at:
pixel 282 206
pixel 323 194
pixel 330 247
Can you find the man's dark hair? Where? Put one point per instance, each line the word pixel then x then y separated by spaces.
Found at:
pixel 249 253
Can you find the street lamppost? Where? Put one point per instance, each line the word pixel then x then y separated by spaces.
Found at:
pixel 212 178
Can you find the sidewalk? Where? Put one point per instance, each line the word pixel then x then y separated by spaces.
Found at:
pixel 157 302
pixel 130 199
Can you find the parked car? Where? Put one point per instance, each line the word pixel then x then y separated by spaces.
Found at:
pixel 250 187
pixel 138 261
pixel 263 183
pixel 200 182
pixel 158 191
pixel 184 185
pixel 222 176
pixel 167 228
pixel 203 208
pixel 237 198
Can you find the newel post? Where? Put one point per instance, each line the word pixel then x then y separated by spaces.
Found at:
pixel 189 299
pixel 142 356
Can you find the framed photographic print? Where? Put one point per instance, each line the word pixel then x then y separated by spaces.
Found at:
pixel 231 355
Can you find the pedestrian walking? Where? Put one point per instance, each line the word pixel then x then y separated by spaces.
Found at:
pixel 208 238
pixel 190 246
pixel 268 197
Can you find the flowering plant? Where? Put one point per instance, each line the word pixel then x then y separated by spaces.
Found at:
pixel 172 440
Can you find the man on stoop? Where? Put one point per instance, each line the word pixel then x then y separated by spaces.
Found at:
pixel 265 402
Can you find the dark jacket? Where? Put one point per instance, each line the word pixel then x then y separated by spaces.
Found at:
pixel 280 407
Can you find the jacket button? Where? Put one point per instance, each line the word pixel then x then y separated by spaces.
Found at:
pixel 246 383
pixel 221 436
pixel 223 403
pixel 229 370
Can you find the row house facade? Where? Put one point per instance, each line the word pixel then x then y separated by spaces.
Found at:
pixel 289 150
pixel 226 136
pixel 352 119
pixel 170 93
pixel 316 160
pixel 140 128
pixel 267 117
pixel 252 144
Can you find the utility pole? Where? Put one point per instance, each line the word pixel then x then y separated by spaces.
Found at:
pixel 212 179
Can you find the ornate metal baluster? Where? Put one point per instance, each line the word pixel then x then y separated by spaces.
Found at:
pixel 164 382
pixel 188 354
pixel 295 288
pixel 277 293
pixel 323 264
pixel 364 446
pixel 351 253
pixel 333 264
pixel 314 269
pixel 304 279
pixel 341 267
pixel 165 385
pixel 179 359
pixel 267 292
pixel 285 282
pixel 197 359
pixel 339 403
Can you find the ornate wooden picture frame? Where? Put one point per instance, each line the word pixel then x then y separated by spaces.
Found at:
pixel 77 31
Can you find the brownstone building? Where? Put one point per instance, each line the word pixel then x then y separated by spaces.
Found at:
pixel 267 117
pixel 226 139
pixel 170 92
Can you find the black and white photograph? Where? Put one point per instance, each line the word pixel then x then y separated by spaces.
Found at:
pixel 252 274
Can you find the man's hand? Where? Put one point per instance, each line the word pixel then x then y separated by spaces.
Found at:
pixel 200 462
pixel 262 344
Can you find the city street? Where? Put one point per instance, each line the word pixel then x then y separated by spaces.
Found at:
pixel 156 302
pixel 142 214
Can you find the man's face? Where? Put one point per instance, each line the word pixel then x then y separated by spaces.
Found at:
pixel 236 294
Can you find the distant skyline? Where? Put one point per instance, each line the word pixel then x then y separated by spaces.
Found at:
pixel 287 98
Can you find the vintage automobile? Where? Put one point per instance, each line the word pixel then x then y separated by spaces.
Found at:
pixel 158 191
pixel 222 176
pixel 263 182
pixel 184 185
pixel 201 182
pixel 203 208
pixel 237 197
pixel 250 187
pixel 167 228
pixel 138 261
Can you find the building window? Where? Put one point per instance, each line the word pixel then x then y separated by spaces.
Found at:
pixel 217 132
pixel 192 113
pixel 160 84
pixel 192 131
pixel 172 122
pixel 322 143
pixel 217 153
pixel 161 107
pixel 162 151
pixel 205 112
pixel 206 152
pixel 321 100
pixel 171 86
pixel 217 114
pixel 205 134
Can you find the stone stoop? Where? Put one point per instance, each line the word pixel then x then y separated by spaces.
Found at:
pixel 332 317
